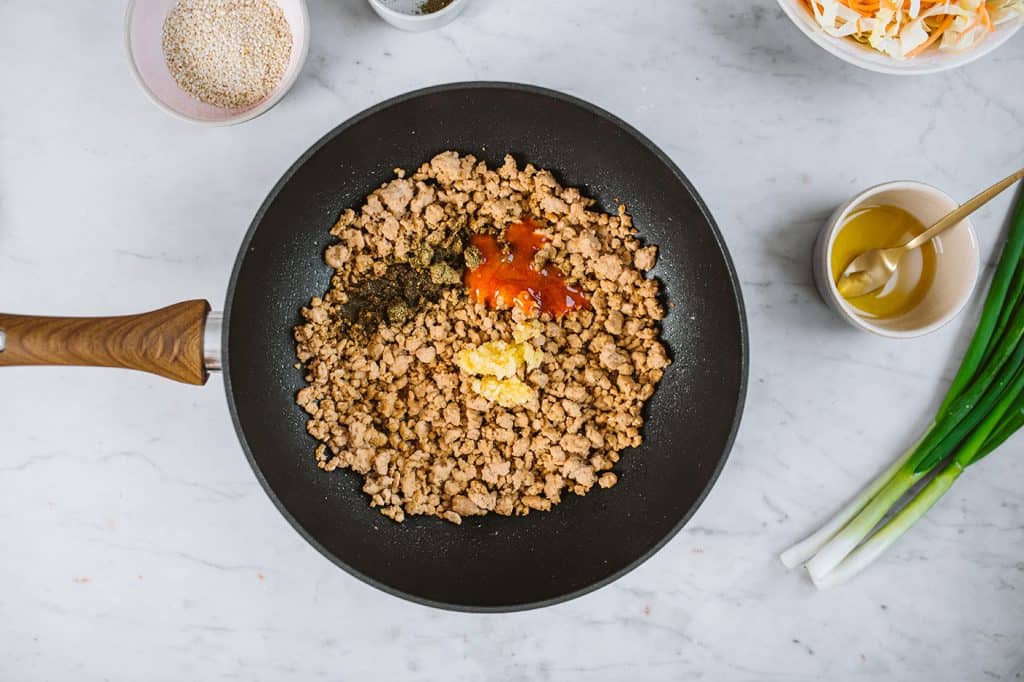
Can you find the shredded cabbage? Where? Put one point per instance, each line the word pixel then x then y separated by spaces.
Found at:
pixel 904 28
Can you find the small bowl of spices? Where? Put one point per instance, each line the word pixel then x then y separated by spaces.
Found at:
pixel 932 283
pixel 216 62
pixel 418 15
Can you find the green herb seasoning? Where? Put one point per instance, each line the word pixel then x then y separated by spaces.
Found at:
pixel 397 295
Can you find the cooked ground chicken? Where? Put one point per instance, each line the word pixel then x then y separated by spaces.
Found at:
pixel 393 404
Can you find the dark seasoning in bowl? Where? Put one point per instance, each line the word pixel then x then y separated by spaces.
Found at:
pixel 416 6
pixel 431 6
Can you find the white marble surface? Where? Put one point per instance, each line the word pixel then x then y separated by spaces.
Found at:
pixel 137 542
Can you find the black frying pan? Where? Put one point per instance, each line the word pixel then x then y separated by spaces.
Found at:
pixel 490 563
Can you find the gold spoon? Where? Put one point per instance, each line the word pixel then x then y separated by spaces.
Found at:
pixel 871 270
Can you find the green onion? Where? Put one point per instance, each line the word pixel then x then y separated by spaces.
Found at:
pixel 802 551
pixel 1008 264
pixel 983 407
pixel 1010 304
pixel 970 453
pixel 953 436
pixel 966 414
pixel 890 532
pixel 1010 423
pixel 966 401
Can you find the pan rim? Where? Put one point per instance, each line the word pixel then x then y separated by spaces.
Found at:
pixel 722 248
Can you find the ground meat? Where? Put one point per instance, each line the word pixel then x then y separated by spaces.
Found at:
pixel 394 406
pixel 645 257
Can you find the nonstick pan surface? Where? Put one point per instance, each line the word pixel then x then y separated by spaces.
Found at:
pixel 489 563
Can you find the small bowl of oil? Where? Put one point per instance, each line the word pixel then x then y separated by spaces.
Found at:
pixel 932 284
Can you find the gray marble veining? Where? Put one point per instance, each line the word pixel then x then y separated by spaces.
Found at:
pixel 138 544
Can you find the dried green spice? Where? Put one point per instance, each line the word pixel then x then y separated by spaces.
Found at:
pixel 431 6
pixel 394 297
pixel 473 257
pixel 442 273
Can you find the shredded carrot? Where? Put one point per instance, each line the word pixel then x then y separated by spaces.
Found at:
pixel 986 18
pixel 869 9
pixel 933 36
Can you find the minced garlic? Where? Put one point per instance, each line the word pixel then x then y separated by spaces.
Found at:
pixel 498 363
pixel 506 392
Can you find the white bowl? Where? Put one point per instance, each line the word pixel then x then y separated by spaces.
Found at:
pixel 956 268
pixel 419 22
pixel 143 32
pixel 931 61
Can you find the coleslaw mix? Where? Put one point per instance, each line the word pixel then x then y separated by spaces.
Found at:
pixel 905 28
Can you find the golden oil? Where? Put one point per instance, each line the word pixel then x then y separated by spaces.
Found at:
pixel 879 227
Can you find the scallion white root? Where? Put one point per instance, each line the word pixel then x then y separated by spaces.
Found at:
pixel 802 552
pixel 862 557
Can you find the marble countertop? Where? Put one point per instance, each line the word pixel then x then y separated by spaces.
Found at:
pixel 137 542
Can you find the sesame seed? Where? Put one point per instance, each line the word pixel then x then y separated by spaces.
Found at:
pixel 228 53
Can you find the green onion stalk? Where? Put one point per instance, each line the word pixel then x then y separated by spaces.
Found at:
pixel 983 407
pixel 804 550
pixel 972 451
pixel 994 307
pixel 1010 424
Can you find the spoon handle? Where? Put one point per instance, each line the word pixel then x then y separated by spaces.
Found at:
pixel 965 210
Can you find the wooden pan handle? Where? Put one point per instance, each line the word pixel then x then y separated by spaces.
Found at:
pixel 167 342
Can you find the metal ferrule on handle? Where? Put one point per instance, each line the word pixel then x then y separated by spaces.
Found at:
pixel 212 341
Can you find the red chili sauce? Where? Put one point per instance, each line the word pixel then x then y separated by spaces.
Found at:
pixel 503 280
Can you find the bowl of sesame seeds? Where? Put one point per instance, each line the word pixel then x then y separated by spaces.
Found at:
pixel 216 62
